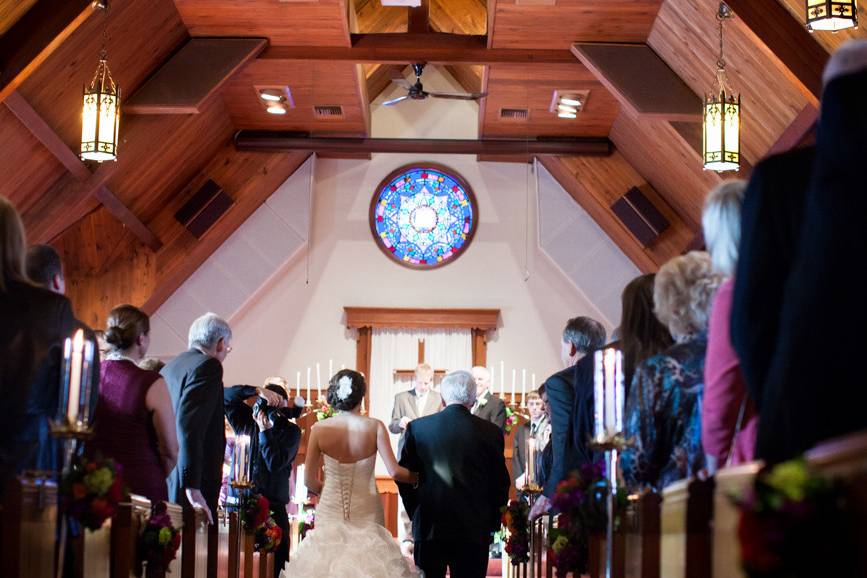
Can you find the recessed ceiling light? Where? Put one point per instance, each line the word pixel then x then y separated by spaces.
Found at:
pixel 276 109
pixel 565 108
pixel 567 115
pixel 271 95
pixel 570 101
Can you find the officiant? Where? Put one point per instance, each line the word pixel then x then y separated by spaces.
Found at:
pixel 488 406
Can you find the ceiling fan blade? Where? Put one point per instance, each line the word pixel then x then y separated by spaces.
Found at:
pixel 453 96
pixel 394 101
pixel 401 81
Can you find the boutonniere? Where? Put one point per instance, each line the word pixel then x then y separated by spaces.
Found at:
pixel 483 400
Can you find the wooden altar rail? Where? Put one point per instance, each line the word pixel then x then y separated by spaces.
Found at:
pixel 28 522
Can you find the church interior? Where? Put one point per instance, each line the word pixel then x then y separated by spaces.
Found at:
pixel 404 187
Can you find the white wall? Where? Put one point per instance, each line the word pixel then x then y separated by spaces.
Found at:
pixel 295 319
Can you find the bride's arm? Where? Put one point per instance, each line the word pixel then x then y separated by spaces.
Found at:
pixel 312 464
pixel 396 471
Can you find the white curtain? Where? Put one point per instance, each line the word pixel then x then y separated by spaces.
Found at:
pixel 394 349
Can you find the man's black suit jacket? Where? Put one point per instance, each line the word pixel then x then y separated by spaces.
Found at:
pixel 464 480
pixel 816 377
pixel 195 383
pixel 35 322
pixel 771 220
pixel 570 396
pixel 493 410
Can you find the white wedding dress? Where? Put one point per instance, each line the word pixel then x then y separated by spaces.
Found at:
pixel 349 538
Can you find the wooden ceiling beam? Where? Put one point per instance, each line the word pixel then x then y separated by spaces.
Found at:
pixel 274 141
pixel 787 38
pixel 797 132
pixel 35 36
pixel 418 20
pixel 83 184
pixel 37 126
pixel 430 47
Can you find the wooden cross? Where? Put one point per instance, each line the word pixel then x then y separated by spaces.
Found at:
pixel 408 374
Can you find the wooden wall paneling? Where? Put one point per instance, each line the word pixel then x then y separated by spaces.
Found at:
pixel 525 25
pixel 797 132
pixel 372 16
pixel 379 77
pixel 830 41
pixel 322 23
pixel 467 75
pixel 686 37
pixel 192 74
pixel 28 168
pixel 319 83
pixel 122 213
pixel 597 183
pixel 363 97
pixel 11 12
pixel 34 35
pixel 668 162
pixel 386 317
pixel 480 347
pixel 786 38
pixel 459 16
pixel 141 35
pixel 532 87
pixel 640 80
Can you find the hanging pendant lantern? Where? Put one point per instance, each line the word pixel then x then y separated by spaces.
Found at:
pixel 721 116
pixel 832 15
pixel 100 116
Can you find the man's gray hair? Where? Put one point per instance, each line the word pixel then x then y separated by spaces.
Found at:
pixel 207 330
pixel 459 387
pixel 585 333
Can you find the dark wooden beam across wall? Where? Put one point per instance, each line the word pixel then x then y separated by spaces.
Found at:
pixel 123 214
pixel 429 47
pixel 640 80
pixel 419 18
pixel 193 74
pixel 786 37
pixel 35 36
pixel 797 132
pixel 266 141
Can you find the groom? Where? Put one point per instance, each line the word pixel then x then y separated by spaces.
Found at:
pixel 455 509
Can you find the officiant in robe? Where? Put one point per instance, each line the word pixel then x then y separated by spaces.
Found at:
pixel 488 405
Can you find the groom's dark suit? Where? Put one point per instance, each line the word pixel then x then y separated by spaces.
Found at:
pixel 464 483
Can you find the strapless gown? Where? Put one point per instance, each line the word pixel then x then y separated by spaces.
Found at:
pixel 349 539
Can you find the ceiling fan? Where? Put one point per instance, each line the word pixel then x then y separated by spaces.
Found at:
pixel 417 92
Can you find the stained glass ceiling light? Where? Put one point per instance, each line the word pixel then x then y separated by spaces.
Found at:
pixel 832 15
pixel 100 113
pixel 722 115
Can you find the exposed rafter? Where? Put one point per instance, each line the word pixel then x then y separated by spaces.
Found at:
pixel 432 47
pixel 35 36
pixel 797 132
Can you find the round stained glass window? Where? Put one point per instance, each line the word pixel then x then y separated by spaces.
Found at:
pixel 423 216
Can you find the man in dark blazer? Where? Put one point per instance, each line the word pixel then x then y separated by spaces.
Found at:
pixel 570 398
pixel 463 484
pixel 488 405
pixel 815 374
pixel 537 429
pixel 195 382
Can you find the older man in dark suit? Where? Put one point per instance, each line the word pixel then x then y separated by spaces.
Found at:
pixel 488 405
pixel 195 382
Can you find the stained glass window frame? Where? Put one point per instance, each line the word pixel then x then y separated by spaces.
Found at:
pixel 452 174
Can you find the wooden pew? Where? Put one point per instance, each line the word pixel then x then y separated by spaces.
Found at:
pixel 685 529
pixel 27 528
pixel 194 544
pixel 726 551
pixel 641 536
pixel 126 527
pixel 92 552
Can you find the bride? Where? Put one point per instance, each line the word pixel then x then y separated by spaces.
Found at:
pixel 349 539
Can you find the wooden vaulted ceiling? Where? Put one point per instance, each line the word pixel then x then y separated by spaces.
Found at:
pixel 114 222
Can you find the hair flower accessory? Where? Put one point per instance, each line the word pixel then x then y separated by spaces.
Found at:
pixel 344 387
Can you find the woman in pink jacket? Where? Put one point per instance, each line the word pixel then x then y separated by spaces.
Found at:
pixel 728 417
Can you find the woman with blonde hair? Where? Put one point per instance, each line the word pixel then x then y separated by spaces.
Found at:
pixel 728 416
pixel 35 321
pixel 663 408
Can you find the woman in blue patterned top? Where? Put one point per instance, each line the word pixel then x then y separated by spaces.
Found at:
pixel 663 409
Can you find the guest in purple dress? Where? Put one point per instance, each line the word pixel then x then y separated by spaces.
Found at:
pixel 134 419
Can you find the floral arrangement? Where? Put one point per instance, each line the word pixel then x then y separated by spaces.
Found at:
pixel 158 543
pixel 324 411
pixel 581 501
pixel 513 418
pixel 794 523
pixel 516 519
pixel 254 511
pixel 308 519
pixel 91 490
pixel 268 536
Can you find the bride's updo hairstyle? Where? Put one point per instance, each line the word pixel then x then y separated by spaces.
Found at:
pixel 346 390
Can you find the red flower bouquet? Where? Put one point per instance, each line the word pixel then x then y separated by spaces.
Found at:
pixel 268 536
pixel 254 511
pixel 516 519
pixel 91 491
pixel 158 543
